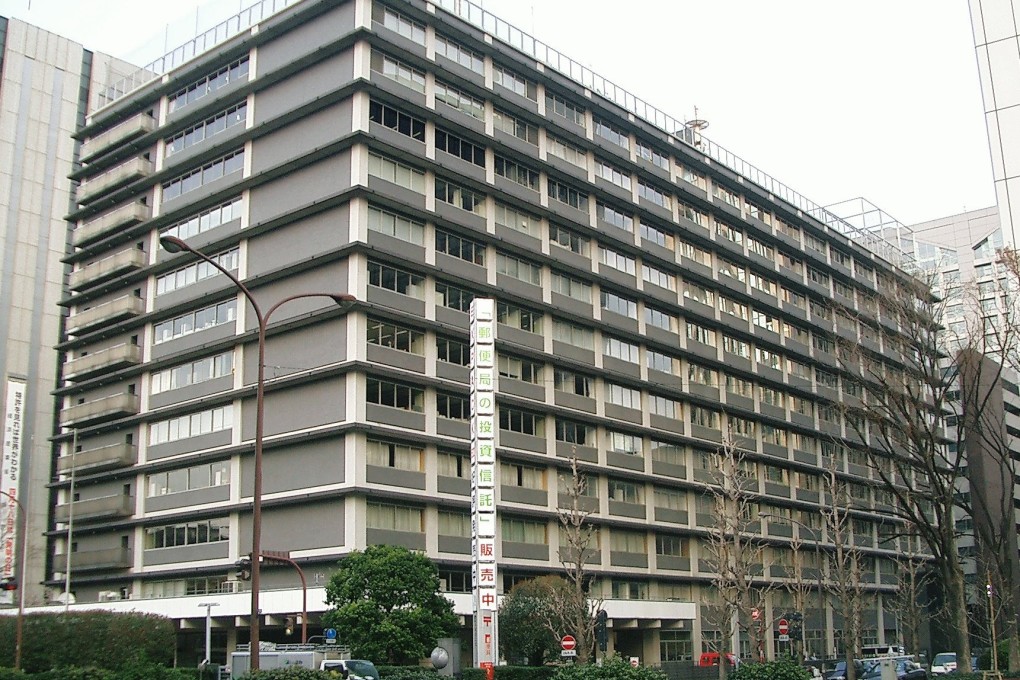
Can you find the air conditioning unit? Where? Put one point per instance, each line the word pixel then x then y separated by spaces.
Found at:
pixel 108 595
pixel 230 587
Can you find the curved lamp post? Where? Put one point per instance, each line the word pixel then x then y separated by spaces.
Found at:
pixel 172 244
pixel 19 630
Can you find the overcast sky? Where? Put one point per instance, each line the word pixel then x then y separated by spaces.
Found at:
pixel 835 98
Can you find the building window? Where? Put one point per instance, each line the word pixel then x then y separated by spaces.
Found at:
pixel 764 357
pixel 617 218
pixel 729 233
pixel 457 99
pixel 453 351
pixel 675 645
pixel 699 333
pixel 664 363
pixel 394 517
pixel 772 397
pixel 460 197
pixel 787 229
pixel 571 334
pixel 616 260
pixel 396 337
pixel 398 71
pixel 702 375
pixel 566 194
pixel 652 156
pixel 567 151
pixel 573 432
pixel 620 349
pixel 621 442
pixel 726 196
pixel 524 476
pixel 523 531
pixel 519 369
pixel 396 280
pixel 766 286
pixel 460 147
pixel 737 347
pixel 665 407
pixel 452 406
pixel 674 454
pixel 522 270
pixel 625 397
pixel 760 249
pixel 699 293
pixel 460 247
pixel 460 54
pixel 818 277
pixel 696 254
pixel 773 435
pixel 449 464
pixel 657 236
pixel 518 127
pixel 625 492
pixel 405 26
pixel 611 173
pixel 659 319
pixel 765 321
pixel 812 242
pixel 191 533
pixel 192 373
pixel 694 215
pixel 516 83
pixel 572 383
pixel 705 417
pixel 209 172
pixel 232 73
pixel 515 219
pixel 396 456
pixel 518 317
pixel 520 421
pixel 732 270
pixel 572 241
pixel 733 308
pixel 193 322
pixel 570 287
pixel 395 395
pixel 196 271
pixel 617 304
pixel 395 119
pixel 452 523
pixel 517 173
pixel 191 478
pixel 653 195
pixel 692 177
pixel 397 173
pixel 198 133
pixel 453 297
pixel 191 425
pixel 671 546
pixel 209 219
pixel 612 134
pixel 558 106
pixel 396 226
pixel 621 540
pixel 740 387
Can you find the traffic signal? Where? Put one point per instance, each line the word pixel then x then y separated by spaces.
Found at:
pixel 988 589
pixel 243 567
pixel 9 584
pixel 289 625
pixel 602 630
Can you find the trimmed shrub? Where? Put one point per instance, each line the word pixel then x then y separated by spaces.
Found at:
pixel 407 673
pixel 780 669
pixel 290 673
pixel 525 672
pixel 612 668
pixel 11 674
pixel 472 673
pixel 94 639
pixel 75 673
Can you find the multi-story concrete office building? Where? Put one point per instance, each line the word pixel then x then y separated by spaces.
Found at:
pixel 45 81
pixel 653 292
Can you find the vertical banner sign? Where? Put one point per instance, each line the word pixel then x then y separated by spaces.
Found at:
pixel 10 474
pixel 483 479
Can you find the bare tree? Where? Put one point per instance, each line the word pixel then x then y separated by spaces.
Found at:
pixel 574 605
pixel 907 387
pixel 910 602
pixel 736 553
pixel 844 566
pixel 800 585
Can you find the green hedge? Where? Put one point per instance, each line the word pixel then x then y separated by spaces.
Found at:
pixel 407 673
pixel 510 673
pixel 98 640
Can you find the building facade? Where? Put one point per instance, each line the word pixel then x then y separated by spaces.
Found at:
pixel 649 300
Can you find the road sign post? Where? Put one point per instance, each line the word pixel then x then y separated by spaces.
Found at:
pixel 568 645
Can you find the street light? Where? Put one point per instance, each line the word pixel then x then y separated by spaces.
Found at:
pixel 19 626
pixel 172 244
pixel 208 631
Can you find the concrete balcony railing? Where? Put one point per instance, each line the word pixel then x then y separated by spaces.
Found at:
pixel 136 168
pixel 129 129
pixel 107 359
pixel 98 459
pixel 115 310
pixel 99 410
pixel 95 509
pixel 106 268
pixel 118 218
pixel 88 560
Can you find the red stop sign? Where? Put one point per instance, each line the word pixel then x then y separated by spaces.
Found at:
pixel 784 627
pixel 568 642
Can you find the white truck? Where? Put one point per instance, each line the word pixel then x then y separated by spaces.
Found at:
pixel 280 656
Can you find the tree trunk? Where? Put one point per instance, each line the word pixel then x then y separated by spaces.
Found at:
pixel 956 606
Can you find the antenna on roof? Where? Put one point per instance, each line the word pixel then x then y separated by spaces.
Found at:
pixel 693 128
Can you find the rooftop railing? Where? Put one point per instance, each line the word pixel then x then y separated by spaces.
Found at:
pixel 200 44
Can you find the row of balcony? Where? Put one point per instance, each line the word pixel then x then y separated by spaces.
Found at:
pixel 109 359
pixel 118 309
pixel 95 509
pixel 119 218
pixel 98 459
pixel 100 410
pixel 135 168
pixel 106 268
pixel 135 126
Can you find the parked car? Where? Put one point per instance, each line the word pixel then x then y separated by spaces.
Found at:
pixel 944 662
pixel 351 669
pixel 708 659
pixel 839 671
pixel 906 669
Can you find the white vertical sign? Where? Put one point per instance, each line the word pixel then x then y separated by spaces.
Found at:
pixel 483 479
pixel 10 474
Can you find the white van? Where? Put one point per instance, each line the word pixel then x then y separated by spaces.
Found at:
pixel 351 669
pixel 944 662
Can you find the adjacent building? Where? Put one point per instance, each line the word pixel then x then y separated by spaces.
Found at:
pixel 653 293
